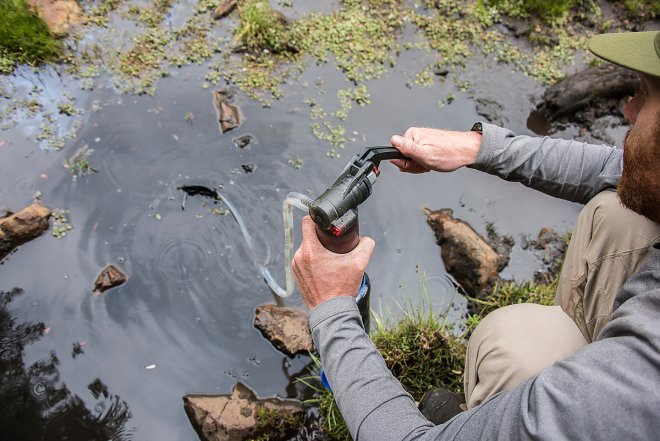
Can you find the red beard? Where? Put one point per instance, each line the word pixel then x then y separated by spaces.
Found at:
pixel 639 187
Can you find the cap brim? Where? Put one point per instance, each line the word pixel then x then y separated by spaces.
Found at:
pixel 638 51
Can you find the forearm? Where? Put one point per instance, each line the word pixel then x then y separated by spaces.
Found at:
pixel 371 400
pixel 570 170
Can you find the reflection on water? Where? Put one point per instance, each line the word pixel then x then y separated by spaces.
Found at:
pixel 36 405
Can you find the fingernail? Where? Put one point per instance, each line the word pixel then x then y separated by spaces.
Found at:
pixel 396 139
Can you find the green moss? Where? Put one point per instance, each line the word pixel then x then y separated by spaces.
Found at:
pixel 78 164
pixel 24 37
pixel 277 426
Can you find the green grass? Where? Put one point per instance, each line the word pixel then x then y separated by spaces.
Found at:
pixel 24 37
pixel 511 293
pixel 260 28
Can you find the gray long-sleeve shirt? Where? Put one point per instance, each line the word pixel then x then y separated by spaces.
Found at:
pixel 610 389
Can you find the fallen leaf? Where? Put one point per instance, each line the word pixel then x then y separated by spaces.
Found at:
pixel 46 330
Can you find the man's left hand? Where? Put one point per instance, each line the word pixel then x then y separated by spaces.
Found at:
pixel 321 274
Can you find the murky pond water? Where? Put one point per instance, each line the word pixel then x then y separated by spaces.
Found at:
pixel 183 321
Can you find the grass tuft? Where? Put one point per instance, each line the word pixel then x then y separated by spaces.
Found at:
pixel 261 28
pixel 24 37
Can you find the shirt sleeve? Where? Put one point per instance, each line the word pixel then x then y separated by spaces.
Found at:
pixel 571 170
pixel 607 390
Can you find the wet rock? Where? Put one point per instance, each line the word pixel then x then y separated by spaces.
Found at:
pixel 224 8
pixel 550 248
pixel 59 15
pixel 241 415
pixel 286 328
pixel 249 167
pixel 467 256
pixel 518 27
pixel 109 278
pixel 228 114
pixel 244 140
pixel 592 93
pixel 21 227
pixel 440 405
pixel 501 243
pixel 491 110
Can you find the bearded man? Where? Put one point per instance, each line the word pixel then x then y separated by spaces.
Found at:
pixel 588 368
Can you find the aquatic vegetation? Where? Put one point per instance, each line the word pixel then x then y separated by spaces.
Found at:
pixel 24 37
pixel 61 223
pixel 362 38
pixel 296 162
pixel 545 9
pixel 78 164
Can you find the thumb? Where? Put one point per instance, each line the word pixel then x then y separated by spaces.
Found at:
pixel 309 236
pixel 364 250
pixel 405 145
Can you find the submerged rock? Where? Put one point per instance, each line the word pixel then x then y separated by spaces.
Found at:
pixel 224 8
pixel 249 167
pixel 286 328
pixel 21 227
pixel 491 110
pixel 592 93
pixel 228 114
pixel 467 256
pixel 59 15
pixel 109 278
pixel 241 415
pixel 244 140
pixel 550 248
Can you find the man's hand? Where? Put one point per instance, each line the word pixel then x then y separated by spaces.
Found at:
pixel 433 149
pixel 322 274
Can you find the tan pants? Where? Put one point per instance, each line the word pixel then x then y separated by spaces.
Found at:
pixel 609 245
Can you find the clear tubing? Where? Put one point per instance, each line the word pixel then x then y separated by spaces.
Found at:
pixel 293 199
pixel 302 202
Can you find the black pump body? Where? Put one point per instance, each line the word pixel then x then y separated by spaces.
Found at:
pixel 335 211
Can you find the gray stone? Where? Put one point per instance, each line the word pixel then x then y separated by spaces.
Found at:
pixel 594 92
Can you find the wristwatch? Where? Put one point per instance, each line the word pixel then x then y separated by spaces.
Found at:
pixel 477 127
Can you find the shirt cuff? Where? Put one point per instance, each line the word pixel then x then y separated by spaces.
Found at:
pixel 493 139
pixel 330 308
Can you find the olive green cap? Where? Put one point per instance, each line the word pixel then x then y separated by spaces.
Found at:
pixel 638 51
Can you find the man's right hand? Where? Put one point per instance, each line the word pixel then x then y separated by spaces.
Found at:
pixel 433 149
